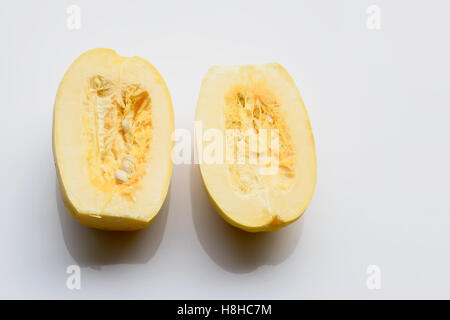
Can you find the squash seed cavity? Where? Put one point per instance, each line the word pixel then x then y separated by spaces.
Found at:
pixel 118 126
pixel 253 108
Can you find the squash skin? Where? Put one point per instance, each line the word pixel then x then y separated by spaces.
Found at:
pixel 104 221
pixel 276 223
pixel 273 226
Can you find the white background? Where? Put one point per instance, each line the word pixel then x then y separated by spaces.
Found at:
pixel 379 106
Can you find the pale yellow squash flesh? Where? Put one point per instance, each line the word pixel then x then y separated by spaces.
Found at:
pixel 254 98
pixel 112 127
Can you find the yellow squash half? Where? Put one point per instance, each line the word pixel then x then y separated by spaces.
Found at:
pixel 274 190
pixel 112 127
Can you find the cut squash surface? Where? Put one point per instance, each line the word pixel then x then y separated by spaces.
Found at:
pixel 265 182
pixel 112 127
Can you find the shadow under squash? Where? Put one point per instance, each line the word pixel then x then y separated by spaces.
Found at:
pixel 233 249
pixel 95 248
